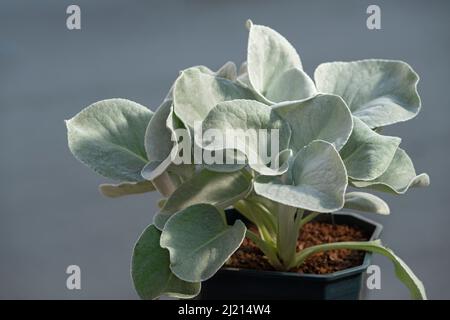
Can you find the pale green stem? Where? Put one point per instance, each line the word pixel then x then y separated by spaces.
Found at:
pixel 287 235
pixel 164 184
pixel 305 253
pixel 307 219
pixel 268 250
pixel 269 218
pixel 247 210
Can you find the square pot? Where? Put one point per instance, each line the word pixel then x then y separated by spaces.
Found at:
pixel 245 284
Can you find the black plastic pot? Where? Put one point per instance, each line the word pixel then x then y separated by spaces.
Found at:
pixel 244 284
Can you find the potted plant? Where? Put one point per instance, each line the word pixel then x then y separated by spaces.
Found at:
pixel 327 139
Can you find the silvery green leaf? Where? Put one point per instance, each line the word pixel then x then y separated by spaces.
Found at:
pixel 158 137
pixel 398 177
pixel 108 137
pixel 379 92
pixel 242 77
pixel 154 169
pixel 201 68
pixel 367 154
pixel 243 68
pixel 216 188
pixel 367 202
pixel 151 273
pixel 323 117
pixel 126 188
pixel 197 92
pixel 228 71
pixel 240 124
pixel 317 181
pixel 269 55
pixel 292 85
pixel 233 160
pixel 200 241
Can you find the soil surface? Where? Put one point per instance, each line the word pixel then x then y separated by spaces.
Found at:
pixel 248 256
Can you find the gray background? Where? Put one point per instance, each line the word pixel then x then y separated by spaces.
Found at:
pixel 51 212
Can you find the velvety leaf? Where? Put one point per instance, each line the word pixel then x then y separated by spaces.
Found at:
pixel 108 137
pixel 158 137
pixel 243 69
pixel 240 122
pixel 197 92
pixel 201 68
pixel 160 144
pixel 398 177
pixel 317 180
pixel 242 77
pixel 269 55
pixel 379 92
pixel 402 271
pixel 154 169
pixel 323 117
pixel 228 71
pixel 293 84
pixel 216 188
pixel 200 241
pixel 126 188
pixel 229 164
pixel 151 273
pixel 368 154
pixel 367 202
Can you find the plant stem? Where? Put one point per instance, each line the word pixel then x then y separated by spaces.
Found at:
pixel 263 217
pixel 307 219
pixel 287 235
pixel 268 250
pixel 246 208
pixel 164 184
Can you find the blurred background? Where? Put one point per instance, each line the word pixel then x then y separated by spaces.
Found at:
pixel 51 214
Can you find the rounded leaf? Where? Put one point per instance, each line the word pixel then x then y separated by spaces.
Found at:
pixel 151 273
pixel 216 188
pixel 317 181
pixel 379 92
pixel 197 92
pixel 242 124
pixel 108 137
pixel 269 55
pixel 158 137
pixel 323 117
pixel 292 85
pixel 367 202
pixel 398 177
pixel 368 154
pixel 200 241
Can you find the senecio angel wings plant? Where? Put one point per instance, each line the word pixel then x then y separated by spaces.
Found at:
pixel 329 139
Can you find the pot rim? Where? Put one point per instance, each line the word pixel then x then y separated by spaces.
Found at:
pixel 378 227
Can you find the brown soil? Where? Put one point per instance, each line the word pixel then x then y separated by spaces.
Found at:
pixel 248 256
